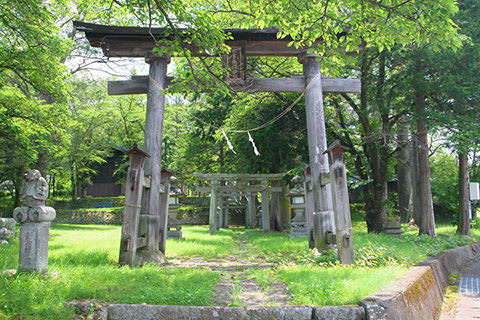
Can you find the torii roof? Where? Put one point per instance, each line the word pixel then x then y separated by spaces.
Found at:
pixel 137 41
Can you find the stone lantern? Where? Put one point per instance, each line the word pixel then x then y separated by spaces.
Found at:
pixel 299 221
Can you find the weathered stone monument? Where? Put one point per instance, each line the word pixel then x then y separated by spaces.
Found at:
pixel 299 221
pixel 34 218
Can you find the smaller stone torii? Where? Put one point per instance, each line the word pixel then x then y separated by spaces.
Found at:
pixel 222 184
pixel 140 42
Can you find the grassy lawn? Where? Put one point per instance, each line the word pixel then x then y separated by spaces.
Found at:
pixel 82 265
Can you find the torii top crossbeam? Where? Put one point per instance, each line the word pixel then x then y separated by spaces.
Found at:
pixel 137 42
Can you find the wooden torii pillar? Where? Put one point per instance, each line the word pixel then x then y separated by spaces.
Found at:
pixel 153 217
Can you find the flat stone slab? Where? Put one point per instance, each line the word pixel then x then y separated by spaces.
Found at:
pixel 151 312
pixel 341 312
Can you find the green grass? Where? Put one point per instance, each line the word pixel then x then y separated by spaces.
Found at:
pixel 321 280
pixel 199 242
pixel 335 285
pixel 83 265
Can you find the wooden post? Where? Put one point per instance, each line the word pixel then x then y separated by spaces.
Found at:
pixel 275 207
pixel 213 207
pixel 309 206
pixel 226 213
pixel 265 207
pixel 317 144
pixel 220 212
pixel 153 145
pixel 131 212
pixel 166 175
pixel 285 208
pixel 341 203
pixel 249 221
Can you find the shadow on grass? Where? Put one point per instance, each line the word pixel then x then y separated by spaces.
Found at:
pixel 82 227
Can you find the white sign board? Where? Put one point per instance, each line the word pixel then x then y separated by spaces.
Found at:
pixel 474 191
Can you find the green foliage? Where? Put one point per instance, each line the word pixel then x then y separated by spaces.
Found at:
pixel 475 224
pixel 444 173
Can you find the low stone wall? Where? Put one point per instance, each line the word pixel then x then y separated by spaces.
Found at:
pixel 89 217
pixel 151 312
pixel 418 294
pixel 87 202
pixel 188 217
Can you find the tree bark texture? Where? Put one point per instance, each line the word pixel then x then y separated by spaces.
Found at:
pixel 414 172
pixel 427 221
pixel 464 196
pixel 403 172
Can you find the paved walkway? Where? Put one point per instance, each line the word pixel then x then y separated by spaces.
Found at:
pixel 467 306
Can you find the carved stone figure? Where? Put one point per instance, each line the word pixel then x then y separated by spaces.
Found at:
pixel 34 218
pixel 34 189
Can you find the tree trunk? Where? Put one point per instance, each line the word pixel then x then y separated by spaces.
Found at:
pixel 376 212
pixel 403 171
pixel 74 183
pixel 427 220
pixel 464 196
pixel 415 199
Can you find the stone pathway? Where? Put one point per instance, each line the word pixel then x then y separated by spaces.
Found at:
pixel 235 287
pixel 467 306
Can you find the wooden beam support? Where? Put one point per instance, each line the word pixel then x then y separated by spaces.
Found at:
pixel 265 208
pixel 240 176
pixel 237 189
pixel 139 85
pixel 131 212
pixel 213 208
pixel 317 144
pixel 153 168
pixel 341 204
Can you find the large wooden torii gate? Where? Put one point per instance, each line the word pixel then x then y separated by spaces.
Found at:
pixel 138 42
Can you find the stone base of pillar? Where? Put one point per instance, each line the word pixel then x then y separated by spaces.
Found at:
pixel 323 226
pixel 150 256
pixel 34 230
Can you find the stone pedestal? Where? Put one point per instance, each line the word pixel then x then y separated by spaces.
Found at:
pixel 393 227
pixel 34 230
pixel 299 225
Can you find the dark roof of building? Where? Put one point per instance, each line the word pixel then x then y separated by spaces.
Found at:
pixel 165 33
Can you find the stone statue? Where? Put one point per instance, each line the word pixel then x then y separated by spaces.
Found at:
pixel 34 189
pixel 34 218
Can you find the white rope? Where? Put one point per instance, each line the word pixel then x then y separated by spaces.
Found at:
pixel 228 141
pixel 253 144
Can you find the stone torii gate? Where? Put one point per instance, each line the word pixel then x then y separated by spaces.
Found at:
pixel 138 42
pixel 222 184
